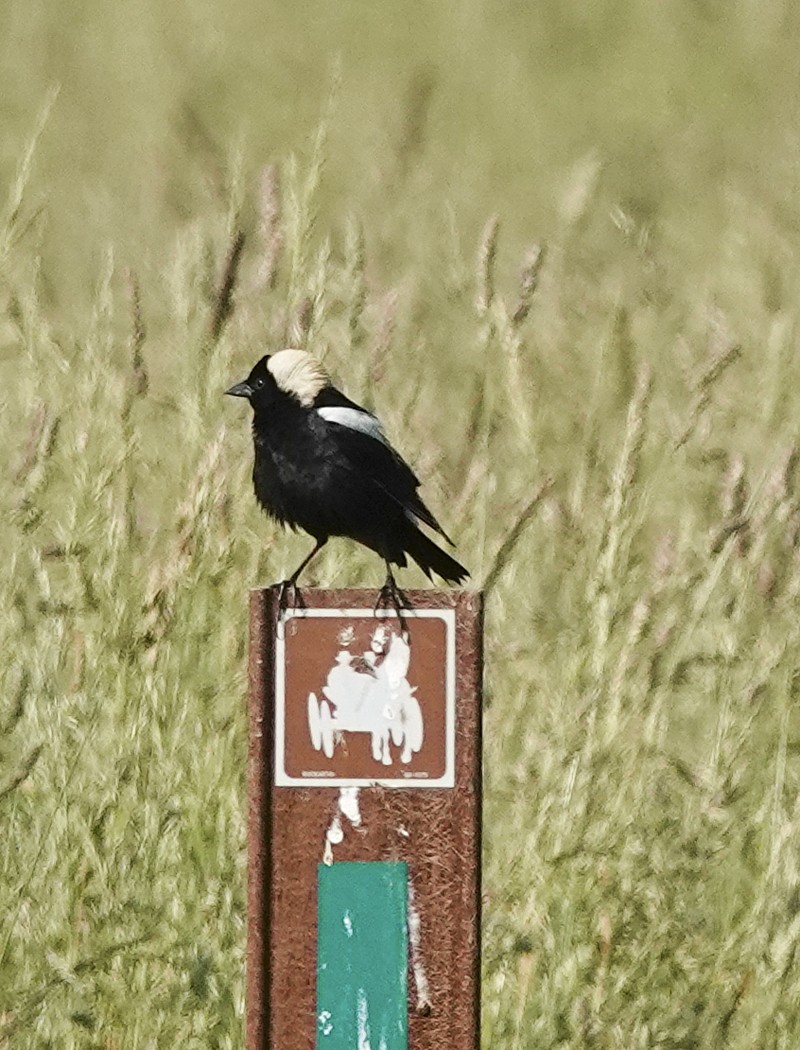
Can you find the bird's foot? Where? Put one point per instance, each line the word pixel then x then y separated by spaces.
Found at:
pixel 391 597
pixel 285 588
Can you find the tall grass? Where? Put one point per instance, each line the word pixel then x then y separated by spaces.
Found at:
pixel 588 354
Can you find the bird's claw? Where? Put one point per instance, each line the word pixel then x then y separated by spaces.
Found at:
pixel 390 596
pixel 283 591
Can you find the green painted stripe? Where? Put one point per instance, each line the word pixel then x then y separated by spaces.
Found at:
pixel 362 956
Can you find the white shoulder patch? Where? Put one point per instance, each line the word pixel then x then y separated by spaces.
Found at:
pixel 355 420
pixel 297 373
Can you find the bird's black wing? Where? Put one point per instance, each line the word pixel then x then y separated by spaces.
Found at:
pixel 362 442
pixel 330 397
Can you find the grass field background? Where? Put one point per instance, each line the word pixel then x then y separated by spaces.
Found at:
pixel 555 246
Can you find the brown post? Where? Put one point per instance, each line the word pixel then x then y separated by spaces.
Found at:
pixel 328 783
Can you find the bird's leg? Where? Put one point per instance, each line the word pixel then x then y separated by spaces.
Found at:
pixel 283 590
pixel 391 595
pixel 291 583
pixel 317 547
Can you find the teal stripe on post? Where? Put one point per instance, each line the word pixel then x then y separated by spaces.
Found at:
pixel 362 956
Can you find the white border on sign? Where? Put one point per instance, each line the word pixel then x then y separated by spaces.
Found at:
pixel 282 778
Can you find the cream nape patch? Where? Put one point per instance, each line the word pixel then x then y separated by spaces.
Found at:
pixel 298 373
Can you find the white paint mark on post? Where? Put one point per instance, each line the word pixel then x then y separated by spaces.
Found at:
pixel 347 806
pixel 348 923
pixel 333 836
pixel 417 963
pixel 363 1021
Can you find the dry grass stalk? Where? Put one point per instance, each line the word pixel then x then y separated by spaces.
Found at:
pixel 777 499
pixel 415 121
pixel 301 198
pixel 318 293
pixel 640 618
pixel 663 561
pixel 734 495
pixel 476 472
pixel 733 499
pixel 724 350
pixel 739 527
pixel 355 286
pixel 528 282
pixel 204 502
pixel 601 587
pixel 23 772
pixel 300 323
pixel 34 444
pixel 605 941
pixel 33 472
pixel 384 332
pixel 627 466
pixel 223 300
pixel 580 189
pixel 513 536
pixel 767 582
pixel 270 234
pixel 138 334
pixel 477 430
pixel 485 275
pixel 10 227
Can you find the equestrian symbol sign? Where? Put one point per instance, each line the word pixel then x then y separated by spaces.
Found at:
pixel 363 699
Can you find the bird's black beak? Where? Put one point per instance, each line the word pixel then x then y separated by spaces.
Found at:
pixel 240 390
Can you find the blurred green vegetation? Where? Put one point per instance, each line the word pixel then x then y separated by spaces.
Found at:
pixel 470 106
pixel 555 246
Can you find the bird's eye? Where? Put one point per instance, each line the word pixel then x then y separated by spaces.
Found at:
pixel 258 383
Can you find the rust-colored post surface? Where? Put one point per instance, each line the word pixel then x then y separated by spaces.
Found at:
pixel 364 746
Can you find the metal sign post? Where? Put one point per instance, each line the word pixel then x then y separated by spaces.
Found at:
pixel 364 790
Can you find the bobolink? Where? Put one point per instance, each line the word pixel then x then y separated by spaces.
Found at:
pixel 325 465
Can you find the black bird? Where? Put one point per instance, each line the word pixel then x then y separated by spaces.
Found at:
pixel 324 464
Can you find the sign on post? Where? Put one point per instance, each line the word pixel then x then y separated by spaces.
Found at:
pixel 364 822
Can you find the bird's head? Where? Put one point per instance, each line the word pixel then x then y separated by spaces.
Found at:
pixel 289 373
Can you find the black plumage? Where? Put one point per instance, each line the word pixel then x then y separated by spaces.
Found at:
pixel 324 464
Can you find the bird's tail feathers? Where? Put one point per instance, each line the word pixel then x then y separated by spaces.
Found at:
pixel 432 558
